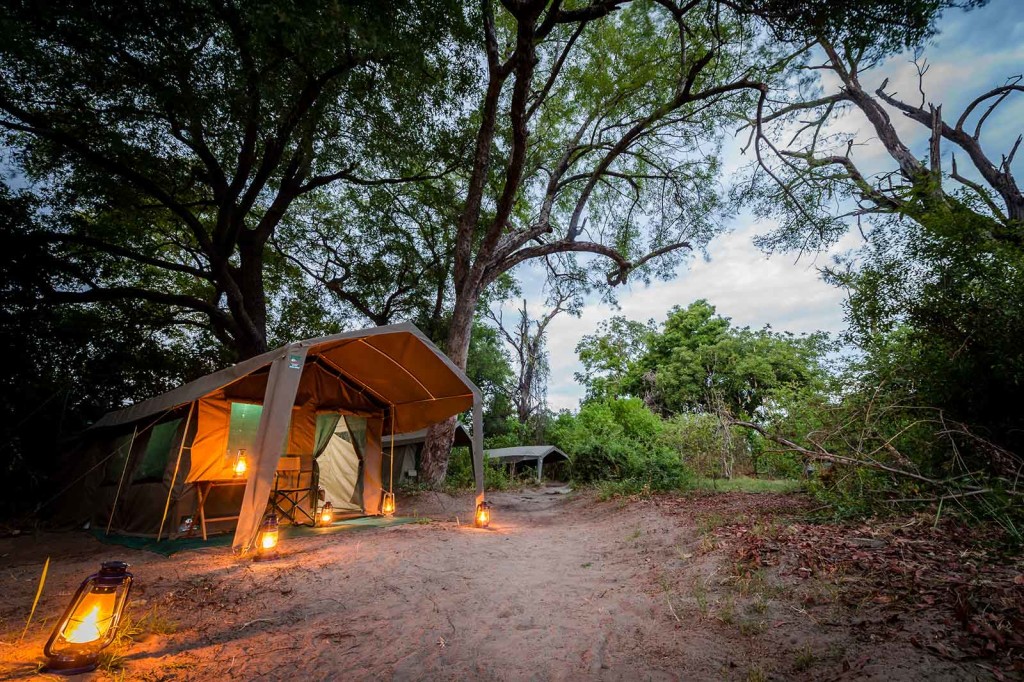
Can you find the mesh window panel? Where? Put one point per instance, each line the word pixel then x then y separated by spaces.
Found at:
pixel 115 465
pixel 245 420
pixel 157 453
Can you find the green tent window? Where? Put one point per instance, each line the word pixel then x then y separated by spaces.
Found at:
pixel 157 453
pixel 245 420
pixel 121 447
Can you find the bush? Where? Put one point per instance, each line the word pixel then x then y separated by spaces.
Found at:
pixel 701 443
pixel 778 464
pixel 460 473
pixel 851 492
pixel 618 440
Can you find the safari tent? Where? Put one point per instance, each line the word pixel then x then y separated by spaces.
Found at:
pixel 329 400
pixel 407 448
pixel 523 456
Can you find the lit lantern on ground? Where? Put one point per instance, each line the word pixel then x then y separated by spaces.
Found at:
pixel 483 515
pixel 240 466
pixel 266 543
pixel 387 506
pixel 326 515
pixel 91 620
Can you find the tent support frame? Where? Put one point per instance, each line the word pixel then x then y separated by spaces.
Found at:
pixel 177 467
pixel 120 482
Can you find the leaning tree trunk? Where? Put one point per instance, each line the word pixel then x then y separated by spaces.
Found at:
pixel 434 457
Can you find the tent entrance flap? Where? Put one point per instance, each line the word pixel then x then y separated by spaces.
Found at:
pixel 341 465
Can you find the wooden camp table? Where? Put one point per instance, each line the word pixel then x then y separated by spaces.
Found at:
pixel 289 471
pixel 203 489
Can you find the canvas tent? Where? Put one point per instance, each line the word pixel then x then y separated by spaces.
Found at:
pixel 528 455
pixel 333 397
pixel 407 447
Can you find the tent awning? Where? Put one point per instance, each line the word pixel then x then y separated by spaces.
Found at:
pixel 396 365
pixel 525 453
pixel 462 437
pixel 528 453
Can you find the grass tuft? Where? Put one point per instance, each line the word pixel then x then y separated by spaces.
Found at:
pixel 131 630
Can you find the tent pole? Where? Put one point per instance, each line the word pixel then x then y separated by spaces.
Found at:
pixel 391 476
pixel 120 482
pixel 177 466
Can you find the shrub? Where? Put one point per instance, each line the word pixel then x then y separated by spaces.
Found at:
pixel 460 473
pixel 700 441
pixel 618 440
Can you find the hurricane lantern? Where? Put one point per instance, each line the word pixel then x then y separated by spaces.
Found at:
pixel 269 533
pixel 387 506
pixel 326 515
pixel 240 466
pixel 483 515
pixel 91 620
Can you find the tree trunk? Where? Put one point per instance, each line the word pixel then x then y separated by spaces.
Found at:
pixel 247 298
pixel 434 457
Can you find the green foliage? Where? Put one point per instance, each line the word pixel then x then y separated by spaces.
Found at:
pixel 698 362
pixel 937 309
pixel 879 26
pixel 69 365
pixel 488 365
pixel 496 475
pixel 851 492
pixel 779 464
pixel 168 142
pixel 698 441
pixel 511 434
pixel 939 312
pixel 608 355
pixel 618 440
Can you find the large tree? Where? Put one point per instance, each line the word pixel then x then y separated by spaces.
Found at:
pixel 935 292
pixel 170 140
pixel 819 182
pixel 596 132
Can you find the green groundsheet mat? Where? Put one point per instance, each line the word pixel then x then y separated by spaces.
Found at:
pixel 169 547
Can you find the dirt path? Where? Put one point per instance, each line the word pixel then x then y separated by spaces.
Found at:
pixel 562 587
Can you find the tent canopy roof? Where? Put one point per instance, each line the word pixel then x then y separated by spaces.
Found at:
pixel 462 437
pixel 395 365
pixel 525 453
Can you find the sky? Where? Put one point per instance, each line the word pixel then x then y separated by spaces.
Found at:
pixel 974 52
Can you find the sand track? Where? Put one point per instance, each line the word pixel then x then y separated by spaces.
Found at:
pixel 562 587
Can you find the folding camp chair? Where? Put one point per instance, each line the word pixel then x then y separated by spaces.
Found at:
pixel 295 488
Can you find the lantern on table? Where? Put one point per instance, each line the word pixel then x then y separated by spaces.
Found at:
pixel 240 466
pixel 91 620
pixel 387 506
pixel 326 515
pixel 482 518
pixel 266 542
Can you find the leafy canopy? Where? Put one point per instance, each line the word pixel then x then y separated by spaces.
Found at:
pixel 698 362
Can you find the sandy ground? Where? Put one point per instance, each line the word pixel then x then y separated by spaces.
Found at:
pixel 561 587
